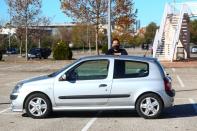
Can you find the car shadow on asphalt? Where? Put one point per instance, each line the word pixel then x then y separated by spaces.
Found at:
pixel 5 103
pixel 180 111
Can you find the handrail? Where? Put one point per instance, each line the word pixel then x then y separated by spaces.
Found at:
pixel 159 33
pixel 177 32
pixel 155 44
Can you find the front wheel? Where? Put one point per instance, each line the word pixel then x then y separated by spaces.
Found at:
pixel 38 106
pixel 149 106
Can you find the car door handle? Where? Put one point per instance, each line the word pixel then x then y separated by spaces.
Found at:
pixel 102 85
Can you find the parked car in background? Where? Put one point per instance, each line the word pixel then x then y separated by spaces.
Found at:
pixel 98 83
pixel 11 51
pixel 1 55
pixel 39 53
pixel 194 49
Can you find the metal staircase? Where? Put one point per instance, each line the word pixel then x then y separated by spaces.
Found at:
pixel 172 38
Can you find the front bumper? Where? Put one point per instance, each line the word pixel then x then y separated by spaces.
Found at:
pixel 16 103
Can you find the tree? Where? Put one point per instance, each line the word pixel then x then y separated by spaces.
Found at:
pixel 95 12
pixel 24 14
pixel 193 31
pixel 89 11
pixel 124 15
pixel 65 34
pixel 82 35
pixel 150 32
pixel 40 30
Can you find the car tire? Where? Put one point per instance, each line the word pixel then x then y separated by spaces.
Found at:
pixel 149 106
pixel 38 106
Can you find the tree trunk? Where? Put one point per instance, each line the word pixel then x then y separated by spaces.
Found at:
pixel 97 30
pixel 39 43
pixel 21 44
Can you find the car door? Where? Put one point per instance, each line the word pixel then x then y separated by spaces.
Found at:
pixel 129 76
pixel 87 84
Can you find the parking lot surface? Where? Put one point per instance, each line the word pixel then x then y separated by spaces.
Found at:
pixel 181 117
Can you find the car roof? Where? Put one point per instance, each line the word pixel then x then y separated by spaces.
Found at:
pixel 128 57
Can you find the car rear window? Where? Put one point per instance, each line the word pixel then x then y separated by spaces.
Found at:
pixel 130 69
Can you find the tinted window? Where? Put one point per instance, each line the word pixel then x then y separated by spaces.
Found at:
pixel 91 70
pixel 130 69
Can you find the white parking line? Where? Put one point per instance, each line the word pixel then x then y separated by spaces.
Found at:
pixel 193 104
pixel 173 70
pixel 5 110
pixel 90 122
pixel 88 125
pixel 12 113
pixel 180 81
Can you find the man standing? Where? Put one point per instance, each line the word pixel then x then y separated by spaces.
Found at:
pixel 116 50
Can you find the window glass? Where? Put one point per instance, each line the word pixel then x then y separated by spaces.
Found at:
pixel 130 69
pixel 91 70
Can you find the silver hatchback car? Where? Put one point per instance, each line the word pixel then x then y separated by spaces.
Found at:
pixel 98 83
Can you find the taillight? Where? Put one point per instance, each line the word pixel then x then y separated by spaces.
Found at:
pixel 168 87
pixel 167 83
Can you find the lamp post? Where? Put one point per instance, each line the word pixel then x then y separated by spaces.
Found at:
pixel 10 25
pixel 26 31
pixel 109 24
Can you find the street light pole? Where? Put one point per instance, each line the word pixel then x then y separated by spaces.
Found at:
pixel 10 25
pixel 26 31
pixel 109 24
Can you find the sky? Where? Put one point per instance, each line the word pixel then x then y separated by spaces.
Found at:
pixel 148 11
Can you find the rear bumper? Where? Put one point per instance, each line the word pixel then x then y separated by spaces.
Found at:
pixel 168 101
pixel 171 93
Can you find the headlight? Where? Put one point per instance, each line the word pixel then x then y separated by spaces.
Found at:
pixel 17 88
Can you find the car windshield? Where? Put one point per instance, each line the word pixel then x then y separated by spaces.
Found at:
pixel 59 71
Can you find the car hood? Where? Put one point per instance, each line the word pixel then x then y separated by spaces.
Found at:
pixel 40 78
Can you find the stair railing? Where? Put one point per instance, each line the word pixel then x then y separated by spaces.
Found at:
pixel 160 31
pixel 177 32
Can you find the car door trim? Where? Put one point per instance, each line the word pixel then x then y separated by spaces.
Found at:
pixel 94 96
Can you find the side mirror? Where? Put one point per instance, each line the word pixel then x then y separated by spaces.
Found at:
pixel 63 77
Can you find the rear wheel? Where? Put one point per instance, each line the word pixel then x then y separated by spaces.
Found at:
pixel 38 106
pixel 149 106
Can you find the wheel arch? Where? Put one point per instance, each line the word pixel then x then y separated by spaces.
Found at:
pixel 35 92
pixel 149 92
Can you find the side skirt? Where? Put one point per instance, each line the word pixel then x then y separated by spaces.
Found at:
pixel 67 108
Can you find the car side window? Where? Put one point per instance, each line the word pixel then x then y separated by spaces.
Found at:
pixel 91 70
pixel 130 69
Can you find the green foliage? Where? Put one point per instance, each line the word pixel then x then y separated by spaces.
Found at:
pixel 47 42
pixel 82 34
pixel 150 32
pixel 104 48
pixel 62 51
pixel 139 40
pixel 193 31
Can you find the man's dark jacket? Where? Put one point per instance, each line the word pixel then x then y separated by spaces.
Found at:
pixel 118 52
